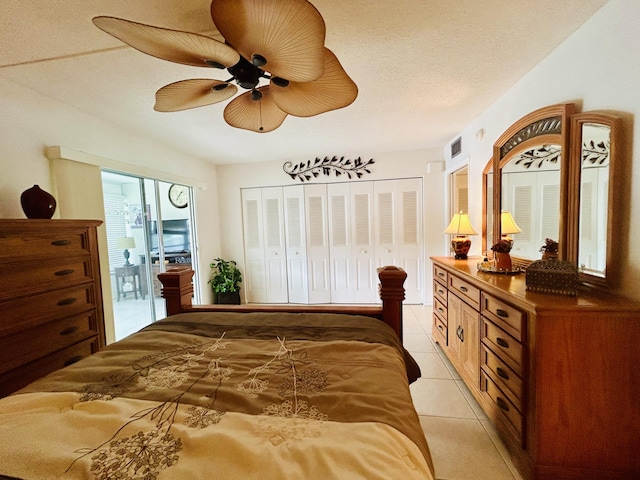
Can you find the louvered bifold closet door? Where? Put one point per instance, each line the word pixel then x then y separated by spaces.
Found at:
pixel 342 268
pixel 317 236
pixel 254 277
pixel 534 201
pixel 594 190
pixel 274 246
pixel 296 245
pixel 364 285
pixel 398 225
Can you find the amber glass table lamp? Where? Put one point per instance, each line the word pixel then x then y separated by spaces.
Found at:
pixel 460 226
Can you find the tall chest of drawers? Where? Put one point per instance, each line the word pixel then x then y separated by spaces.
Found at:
pixel 51 311
pixel 558 376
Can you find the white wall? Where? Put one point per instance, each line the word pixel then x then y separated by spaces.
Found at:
pixel 427 164
pixel 597 68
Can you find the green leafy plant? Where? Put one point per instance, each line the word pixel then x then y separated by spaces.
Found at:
pixel 225 276
pixel 501 246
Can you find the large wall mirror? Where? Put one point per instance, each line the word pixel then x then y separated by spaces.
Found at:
pixel 555 172
pixel 531 162
pixel 594 153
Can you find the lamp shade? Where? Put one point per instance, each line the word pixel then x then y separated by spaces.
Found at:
pixel 125 242
pixel 508 224
pixel 460 225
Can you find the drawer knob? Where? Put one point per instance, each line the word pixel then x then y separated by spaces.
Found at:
pixel 72 360
pixel 440 274
pixel 464 289
pixel 502 342
pixel 62 273
pixel 440 328
pixel 61 243
pixel 66 301
pixel 502 373
pixel 441 292
pixel 502 313
pixel 70 330
pixel 502 404
pixel 441 310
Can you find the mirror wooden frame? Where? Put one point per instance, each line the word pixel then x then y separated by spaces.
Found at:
pixel 486 227
pixel 547 125
pixel 614 221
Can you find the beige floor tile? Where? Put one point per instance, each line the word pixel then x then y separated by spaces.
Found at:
pixel 450 367
pixel 417 342
pixel 440 398
pixel 431 365
pixel 461 449
pixel 472 401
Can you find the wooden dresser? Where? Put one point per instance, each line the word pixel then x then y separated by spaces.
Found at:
pixel 50 297
pixel 559 376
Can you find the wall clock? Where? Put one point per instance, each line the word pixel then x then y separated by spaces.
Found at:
pixel 178 195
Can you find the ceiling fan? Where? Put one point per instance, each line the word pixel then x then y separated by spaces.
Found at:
pixel 273 49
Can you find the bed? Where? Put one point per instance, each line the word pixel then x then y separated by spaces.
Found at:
pixel 229 392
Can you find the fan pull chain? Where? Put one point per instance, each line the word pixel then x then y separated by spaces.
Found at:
pixel 261 126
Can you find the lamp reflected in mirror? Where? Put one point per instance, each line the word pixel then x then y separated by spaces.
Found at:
pixel 460 227
pixel 508 226
pixel 125 243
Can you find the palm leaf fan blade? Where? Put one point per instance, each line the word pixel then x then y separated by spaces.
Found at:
pixel 333 90
pixel 172 45
pixel 288 34
pixel 260 116
pixel 192 93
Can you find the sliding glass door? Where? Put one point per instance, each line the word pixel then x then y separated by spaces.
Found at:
pixel 149 229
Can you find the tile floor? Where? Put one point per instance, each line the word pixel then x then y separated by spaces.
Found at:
pixel 464 445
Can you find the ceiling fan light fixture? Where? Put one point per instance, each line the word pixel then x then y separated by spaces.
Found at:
pixel 258 116
pixel 280 82
pixel 256 95
pixel 258 60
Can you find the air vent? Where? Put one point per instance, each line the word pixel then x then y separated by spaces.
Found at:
pixel 456 147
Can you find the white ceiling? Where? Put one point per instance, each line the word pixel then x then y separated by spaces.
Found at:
pixel 425 69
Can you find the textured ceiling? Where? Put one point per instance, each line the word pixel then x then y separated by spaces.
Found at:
pixel 424 68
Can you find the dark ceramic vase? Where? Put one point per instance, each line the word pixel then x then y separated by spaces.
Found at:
pixel 36 203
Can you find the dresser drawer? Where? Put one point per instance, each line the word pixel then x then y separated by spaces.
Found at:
pixel 49 275
pixel 440 292
pixel 440 310
pixel 503 345
pixel 48 243
pixel 503 375
pixel 505 408
pixel 440 275
pixel 465 291
pixel 507 317
pixel 21 377
pixel 45 339
pixel 439 331
pixel 31 311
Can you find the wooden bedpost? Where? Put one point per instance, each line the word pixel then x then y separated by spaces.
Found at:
pixel 392 294
pixel 177 289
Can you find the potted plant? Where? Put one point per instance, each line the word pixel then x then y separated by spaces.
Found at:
pixel 225 281
pixel 501 251
pixel 549 250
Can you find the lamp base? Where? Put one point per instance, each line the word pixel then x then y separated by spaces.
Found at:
pixel 127 263
pixel 460 246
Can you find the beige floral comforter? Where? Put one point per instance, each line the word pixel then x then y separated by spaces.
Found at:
pixel 224 396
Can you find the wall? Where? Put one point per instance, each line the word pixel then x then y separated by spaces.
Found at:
pixel 427 164
pixel 30 123
pixel 597 68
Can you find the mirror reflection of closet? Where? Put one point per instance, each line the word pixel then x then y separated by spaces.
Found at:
pixel 595 144
pixel 487 206
pixel 530 159
pixel 459 191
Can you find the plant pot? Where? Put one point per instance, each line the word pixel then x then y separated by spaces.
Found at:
pixel 503 261
pixel 226 298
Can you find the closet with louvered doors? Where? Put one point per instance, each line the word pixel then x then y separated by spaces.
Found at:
pixel 323 243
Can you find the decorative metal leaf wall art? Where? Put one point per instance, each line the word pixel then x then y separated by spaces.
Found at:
pixel 306 171
pixel 596 153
